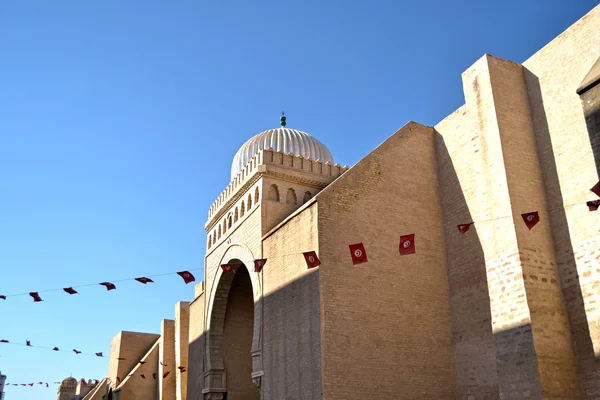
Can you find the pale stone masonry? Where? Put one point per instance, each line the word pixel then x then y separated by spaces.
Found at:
pixel 499 312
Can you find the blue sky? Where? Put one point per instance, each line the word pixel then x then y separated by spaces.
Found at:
pixel 119 121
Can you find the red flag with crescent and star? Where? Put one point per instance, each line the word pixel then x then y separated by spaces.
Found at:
pixel 407 244
pixel 259 264
pixel 464 228
pixel 596 189
pixel 311 259
pixel 109 286
pixel 227 267
pixel 36 297
pixel 531 219
pixel 144 280
pixel 593 205
pixel 187 276
pixel 358 253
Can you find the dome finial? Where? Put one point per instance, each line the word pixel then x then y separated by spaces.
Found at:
pixel 282 119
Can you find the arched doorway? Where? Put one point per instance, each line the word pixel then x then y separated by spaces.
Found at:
pixel 232 335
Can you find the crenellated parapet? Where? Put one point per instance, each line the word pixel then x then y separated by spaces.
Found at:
pixel 320 171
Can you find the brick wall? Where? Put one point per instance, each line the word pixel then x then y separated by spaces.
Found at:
pixel 167 361
pixel 135 387
pixel 130 346
pixel 291 329
pixel 474 349
pixel 386 324
pixel 195 371
pixel 553 75
pixel 182 334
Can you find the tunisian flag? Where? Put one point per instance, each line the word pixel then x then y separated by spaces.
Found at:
pixel 596 189
pixel 464 228
pixel 144 280
pixel 187 276
pixel 311 259
pixel 531 219
pixel 593 205
pixel 108 285
pixel 36 297
pixel 227 267
pixel 358 253
pixel 259 264
pixel 407 244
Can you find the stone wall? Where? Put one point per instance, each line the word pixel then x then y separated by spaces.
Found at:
pixel 130 346
pixel 569 170
pixel 98 391
pixel 136 387
pixel 386 324
pixel 195 371
pixel 291 329
pixel 182 335
pixel 166 361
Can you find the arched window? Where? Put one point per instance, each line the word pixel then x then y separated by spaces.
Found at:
pixel 290 197
pixel 307 197
pixel 219 231
pixel 242 209
pixel 229 221
pixel 235 216
pixel 256 196
pixel 209 239
pixel 273 193
pixel 249 202
pixel 224 226
pixel 215 236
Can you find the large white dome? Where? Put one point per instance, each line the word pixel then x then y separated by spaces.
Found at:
pixel 281 139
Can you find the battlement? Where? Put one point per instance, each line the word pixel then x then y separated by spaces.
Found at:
pixel 275 158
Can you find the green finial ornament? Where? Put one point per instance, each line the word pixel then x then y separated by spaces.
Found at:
pixel 282 119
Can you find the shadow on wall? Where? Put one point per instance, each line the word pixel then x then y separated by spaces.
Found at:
pixel 591 107
pixel 567 267
pixel 474 350
pixel 281 354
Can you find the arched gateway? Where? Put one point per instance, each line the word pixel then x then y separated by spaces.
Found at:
pixel 233 344
pixel 234 301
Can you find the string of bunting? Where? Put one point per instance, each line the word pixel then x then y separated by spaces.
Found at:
pixel 357 252
pixel 165 374
pixel 187 277
pixel 28 344
pixel 91 381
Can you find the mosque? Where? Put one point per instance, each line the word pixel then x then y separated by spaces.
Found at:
pixel 455 261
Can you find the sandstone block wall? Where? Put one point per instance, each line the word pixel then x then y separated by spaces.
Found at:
pixel 566 154
pixel 135 387
pixel 291 345
pixel 463 186
pixel 182 334
pixel 386 324
pixel 130 346
pixel 167 361
pixel 196 363
pixel 98 391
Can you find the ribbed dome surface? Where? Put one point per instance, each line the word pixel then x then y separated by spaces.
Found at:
pixel 280 139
